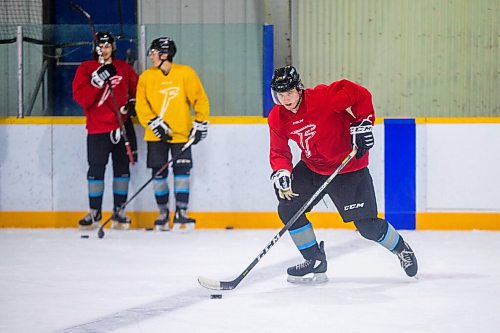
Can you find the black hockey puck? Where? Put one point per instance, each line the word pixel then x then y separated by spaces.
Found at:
pixel 229 227
pixel 84 236
pixel 149 229
pixel 216 296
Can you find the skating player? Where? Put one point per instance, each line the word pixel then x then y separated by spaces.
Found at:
pixel 326 122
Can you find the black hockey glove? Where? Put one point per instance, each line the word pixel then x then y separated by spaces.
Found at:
pixel 199 131
pixel 160 129
pixel 129 108
pixel 102 74
pixel 362 136
pixel 283 184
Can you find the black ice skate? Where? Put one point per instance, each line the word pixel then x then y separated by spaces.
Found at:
pixel 161 223
pixel 119 220
pixel 91 221
pixel 182 222
pixel 311 270
pixel 407 260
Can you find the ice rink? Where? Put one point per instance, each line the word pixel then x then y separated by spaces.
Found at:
pixel 51 280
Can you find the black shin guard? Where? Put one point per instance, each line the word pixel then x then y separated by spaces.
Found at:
pixel 373 228
pixel 382 232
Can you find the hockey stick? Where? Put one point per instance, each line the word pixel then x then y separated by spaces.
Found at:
pixel 83 12
pixel 230 285
pixel 120 122
pixel 120 18
pixel 87 16
pixel 188 144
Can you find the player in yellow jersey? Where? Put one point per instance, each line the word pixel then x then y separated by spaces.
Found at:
pixel 166 93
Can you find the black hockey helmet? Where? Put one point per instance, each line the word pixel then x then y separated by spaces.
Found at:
pixel 164 45
pixel 286 78
pixel 103 37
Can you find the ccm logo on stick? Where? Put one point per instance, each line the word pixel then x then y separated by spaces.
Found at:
pixel 354 206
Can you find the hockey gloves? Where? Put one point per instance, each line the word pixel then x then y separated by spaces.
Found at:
pixel 362 136
pixel 199 131
pixel 160 129
pixel 129 108
pixel 102 74
pixel 283 184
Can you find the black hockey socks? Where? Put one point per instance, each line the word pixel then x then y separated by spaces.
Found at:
pixel 96 191
pixel 305 240
pixel 160 187
pixel 120 190
pixel 313 269
pixel 378 230
pixel 390 239
pixel 181 190
pixel 393 241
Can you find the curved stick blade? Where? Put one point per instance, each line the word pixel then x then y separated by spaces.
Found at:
pixel 209 283
pixel 216 284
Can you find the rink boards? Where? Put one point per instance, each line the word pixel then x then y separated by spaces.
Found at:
pixel 429 173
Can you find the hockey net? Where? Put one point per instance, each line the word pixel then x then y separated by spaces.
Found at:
pixel 26 13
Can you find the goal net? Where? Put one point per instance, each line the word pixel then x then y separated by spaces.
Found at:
pixel 26 13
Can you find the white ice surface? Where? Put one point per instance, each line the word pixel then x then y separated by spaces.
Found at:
pixel 52 280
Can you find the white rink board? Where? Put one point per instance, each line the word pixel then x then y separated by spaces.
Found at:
pixel 457 166
pixel 463 171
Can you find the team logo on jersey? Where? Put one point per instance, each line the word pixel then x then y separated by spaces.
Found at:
pixel 115 80
pixel 170 94
pixel 305 134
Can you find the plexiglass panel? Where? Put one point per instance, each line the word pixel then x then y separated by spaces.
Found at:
pixel 227 57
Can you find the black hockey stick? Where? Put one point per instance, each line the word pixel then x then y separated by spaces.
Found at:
pixel 188 144
pixel 87 16
pixel 230 285
pixel 120 18
pixel 120 122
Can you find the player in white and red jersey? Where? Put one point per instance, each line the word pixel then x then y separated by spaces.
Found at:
pixel 91 90
pixel 326 122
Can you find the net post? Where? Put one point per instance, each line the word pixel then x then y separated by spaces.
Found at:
pixel 20 82
pixel 142 48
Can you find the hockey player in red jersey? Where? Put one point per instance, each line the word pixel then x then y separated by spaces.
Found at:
pixel 326 122
pixel 91 90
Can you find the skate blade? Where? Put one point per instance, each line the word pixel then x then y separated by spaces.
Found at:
pixel 120 226
pixel 89 227
pixel 316 278
pixel 183 227
pixel 162 227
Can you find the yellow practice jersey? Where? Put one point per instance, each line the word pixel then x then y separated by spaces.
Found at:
pixel 171 96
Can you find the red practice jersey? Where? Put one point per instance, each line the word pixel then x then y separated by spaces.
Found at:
pixel 321 127
pixel 97 103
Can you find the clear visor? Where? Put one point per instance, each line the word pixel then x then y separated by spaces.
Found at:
pixel 105 44
pixel 274 95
